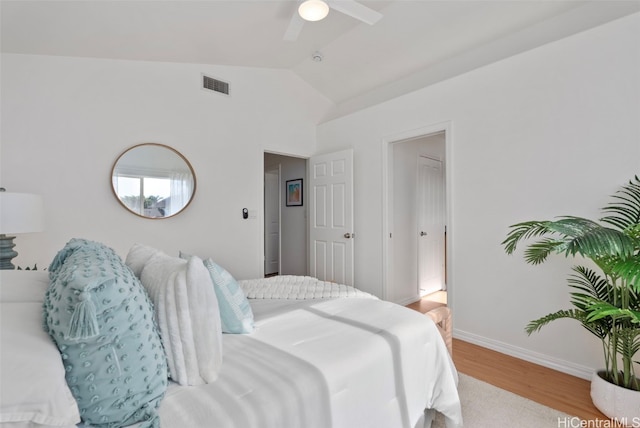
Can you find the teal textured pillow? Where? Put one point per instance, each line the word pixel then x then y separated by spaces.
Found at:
pixel 235 312
pixel 101 319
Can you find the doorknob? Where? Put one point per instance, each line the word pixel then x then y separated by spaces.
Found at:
pixel 423 233
pixel 348 235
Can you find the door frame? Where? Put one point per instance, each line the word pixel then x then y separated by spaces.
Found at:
pixel 387 217
pixel 278 171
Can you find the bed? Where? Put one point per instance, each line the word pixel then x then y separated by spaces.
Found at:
pixel 317 355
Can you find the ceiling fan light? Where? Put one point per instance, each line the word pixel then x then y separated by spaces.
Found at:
pixel 313 10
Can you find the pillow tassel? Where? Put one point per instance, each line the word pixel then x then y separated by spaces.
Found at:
pixel 151 418
pixel 84 321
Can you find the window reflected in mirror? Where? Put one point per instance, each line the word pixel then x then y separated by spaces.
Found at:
pixel 153 181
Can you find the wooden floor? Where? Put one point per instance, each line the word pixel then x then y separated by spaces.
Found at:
pixel 551 388
pixel 429 302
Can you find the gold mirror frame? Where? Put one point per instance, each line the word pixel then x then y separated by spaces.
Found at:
pixel 158 168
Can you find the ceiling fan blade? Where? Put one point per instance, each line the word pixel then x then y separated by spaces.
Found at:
pixel 356 10
pixel 294 28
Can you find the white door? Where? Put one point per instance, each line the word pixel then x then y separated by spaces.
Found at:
pixel 271 222
pixel 431 226
pixel 331 232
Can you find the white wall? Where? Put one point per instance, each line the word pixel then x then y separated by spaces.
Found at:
pixel 549 132
pixel 65 121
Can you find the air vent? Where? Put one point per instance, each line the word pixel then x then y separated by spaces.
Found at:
pixel 215 85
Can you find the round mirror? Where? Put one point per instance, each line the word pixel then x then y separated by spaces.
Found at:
pixel 153 180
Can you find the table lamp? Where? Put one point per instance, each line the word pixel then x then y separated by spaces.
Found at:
pixel 19 213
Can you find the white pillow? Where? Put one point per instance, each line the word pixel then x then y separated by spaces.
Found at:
pixel 137 257
pixel 23 285
pixel 34 390
pixel 187 313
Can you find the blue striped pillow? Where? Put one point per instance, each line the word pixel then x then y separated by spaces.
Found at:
pixel 235 311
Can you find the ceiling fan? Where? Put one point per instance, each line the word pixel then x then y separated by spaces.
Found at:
pixel 315 10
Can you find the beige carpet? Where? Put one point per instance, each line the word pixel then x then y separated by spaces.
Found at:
pixel 487 406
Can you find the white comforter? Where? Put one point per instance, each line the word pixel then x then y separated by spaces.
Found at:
pixel 340 363
pixel 292 287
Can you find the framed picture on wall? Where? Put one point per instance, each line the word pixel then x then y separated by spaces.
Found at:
pixel 294 193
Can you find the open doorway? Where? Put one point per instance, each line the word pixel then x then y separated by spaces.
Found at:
pixel 431 214
pixel 285 228
pixel 416 215
pixel 272 199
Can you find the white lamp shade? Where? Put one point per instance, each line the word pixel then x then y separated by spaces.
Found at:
pixel 21 213
pixel 313 10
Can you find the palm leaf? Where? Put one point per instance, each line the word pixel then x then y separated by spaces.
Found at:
pixel 601 242
pixel 596 328
pixel 523 231
pixel 605 311
pixel 625 210
pixel 589 239
pixel 590 282
pixel 538 252
pixel 597 310
pixel 629 343
pixel 627 347
pixel 629 270
pixel 572 226
pixel 571 235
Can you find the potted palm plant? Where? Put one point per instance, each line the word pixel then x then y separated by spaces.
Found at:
pixel 606 299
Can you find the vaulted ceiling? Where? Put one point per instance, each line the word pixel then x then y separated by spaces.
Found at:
pixel 416 42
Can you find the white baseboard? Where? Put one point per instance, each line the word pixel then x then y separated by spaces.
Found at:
pixel 408 301
pixel 573 369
